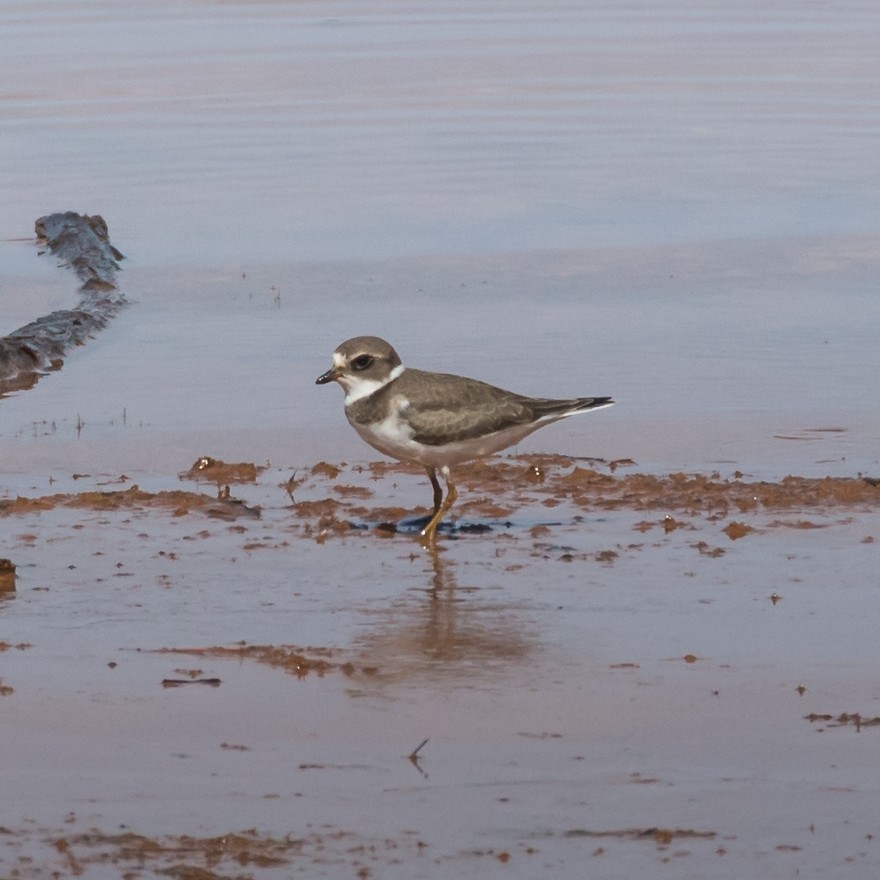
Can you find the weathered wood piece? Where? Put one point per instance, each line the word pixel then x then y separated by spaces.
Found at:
pixel 83 244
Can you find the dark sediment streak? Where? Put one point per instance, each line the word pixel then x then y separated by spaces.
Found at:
pixel 83 244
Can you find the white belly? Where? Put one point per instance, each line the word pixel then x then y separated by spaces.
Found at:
pixel 393 437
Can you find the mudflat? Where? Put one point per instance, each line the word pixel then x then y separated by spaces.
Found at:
pixel 645 644
pixel 594 667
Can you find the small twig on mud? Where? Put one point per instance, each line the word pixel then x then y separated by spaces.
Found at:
pixel 292 485
pixel 414 754
pixel 413 757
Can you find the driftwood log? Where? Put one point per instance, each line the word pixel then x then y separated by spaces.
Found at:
pixel 82 243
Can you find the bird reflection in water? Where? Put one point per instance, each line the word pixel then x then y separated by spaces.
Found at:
pixel 445 628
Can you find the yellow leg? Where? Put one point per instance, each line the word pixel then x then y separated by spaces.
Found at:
pixel 429 532
pixel 438 492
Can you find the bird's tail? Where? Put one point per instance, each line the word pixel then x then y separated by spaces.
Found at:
pixel 559 409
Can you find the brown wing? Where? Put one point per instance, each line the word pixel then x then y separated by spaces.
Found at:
pixel 445 408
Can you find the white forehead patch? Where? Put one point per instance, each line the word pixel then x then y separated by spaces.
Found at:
pixel 338 360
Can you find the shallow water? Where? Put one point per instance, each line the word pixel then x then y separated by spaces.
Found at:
pixel 676 206
pixel 596 689
pixel 733 378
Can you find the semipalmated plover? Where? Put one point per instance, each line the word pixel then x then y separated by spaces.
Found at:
pixel 435 419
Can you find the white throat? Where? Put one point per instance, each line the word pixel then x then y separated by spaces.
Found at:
pixel 356 388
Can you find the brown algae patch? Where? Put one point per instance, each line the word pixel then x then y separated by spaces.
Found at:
pixel 7 576
pixel 709 494
pixel 736 530
pixel 327 850
pixel 217 471
pixel 294 660
pixel 222 857
pixel 493 490
pixel 854 719
pixel 496 490
pixel 325 469
pixel 178 502
pixel 661 837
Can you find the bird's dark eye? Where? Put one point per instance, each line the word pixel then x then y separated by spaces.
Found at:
pixel 363 361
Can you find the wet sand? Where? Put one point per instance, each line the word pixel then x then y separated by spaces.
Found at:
pixel 612 671
pixel 646 646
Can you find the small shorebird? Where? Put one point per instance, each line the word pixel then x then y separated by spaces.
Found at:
pixel 435 419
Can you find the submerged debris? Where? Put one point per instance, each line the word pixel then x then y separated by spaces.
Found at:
pixel 181 682
pixel 856 719
pixel 83 244
pixel 178 502
pixel 292 659
pixel 7 576
pixel 217 471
